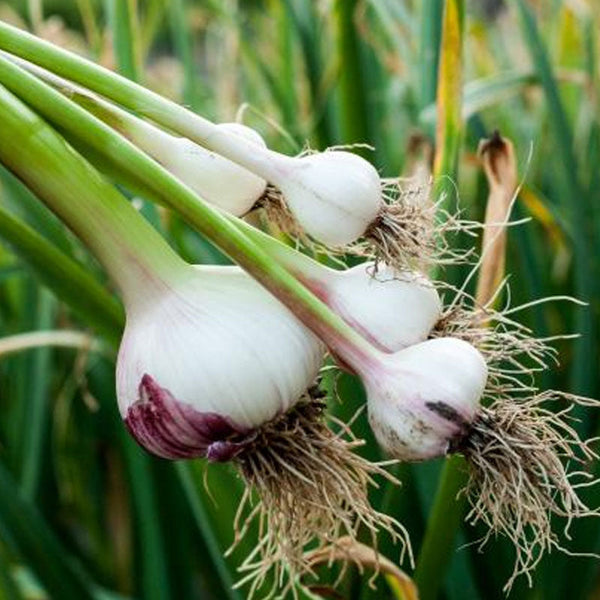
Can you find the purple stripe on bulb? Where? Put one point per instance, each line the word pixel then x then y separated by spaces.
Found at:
pixel 172 429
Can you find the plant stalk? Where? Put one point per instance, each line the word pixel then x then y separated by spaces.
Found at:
pixel 263 162
pixel 342 340
pixel 131 251
pixel 150 139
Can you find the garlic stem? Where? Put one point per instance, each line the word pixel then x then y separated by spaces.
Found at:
pixel 345 292
pixel 268 164
pixel 335 196
pixel 341 339
pixel 141 134
pixel 136 257
pixel 216 179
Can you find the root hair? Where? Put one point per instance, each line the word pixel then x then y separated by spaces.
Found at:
pixel 277 217
pixel 520 456
pixel 520 452
pixel 411 232
pixel 512 353
pixel 306 488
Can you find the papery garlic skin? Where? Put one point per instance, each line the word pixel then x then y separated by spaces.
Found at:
pixel 392 309
pixel 217 343
pixel 214 178
pixel 333 195
pixel 422 400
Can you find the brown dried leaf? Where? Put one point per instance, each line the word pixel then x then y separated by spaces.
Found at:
pixel 347 549
pixel 498 160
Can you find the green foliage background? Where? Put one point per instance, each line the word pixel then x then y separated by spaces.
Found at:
pixel 83 511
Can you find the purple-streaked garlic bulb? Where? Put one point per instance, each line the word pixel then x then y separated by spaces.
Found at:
pixel 207 361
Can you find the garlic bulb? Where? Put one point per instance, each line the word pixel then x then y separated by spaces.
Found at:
pixel 333 195
pixel 214 312
pixel 391 309
pixel 213 356
pixel 214 178
pixel 422 400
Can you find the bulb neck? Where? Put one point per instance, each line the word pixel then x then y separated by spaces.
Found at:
pixel 136 257
pixel 263 162
pixel 151 139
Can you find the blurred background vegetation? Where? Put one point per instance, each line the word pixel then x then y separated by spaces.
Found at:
pixel 84 513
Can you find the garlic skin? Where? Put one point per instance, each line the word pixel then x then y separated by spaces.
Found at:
pixel 213 354
pixel 333 195
pixel 392 309
pixel 422 400
pixel 214 178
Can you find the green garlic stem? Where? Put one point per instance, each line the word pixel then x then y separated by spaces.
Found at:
pixel 135 256
pixel 342 340
pixel 265 163
pixel 139 132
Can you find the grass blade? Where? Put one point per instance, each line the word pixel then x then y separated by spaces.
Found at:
pixel 155 581
pixel 8 586
pixel 37 544
pixel 583 380
pixel 183 43
pixel 123 26
pixel 35 410
pixel 69 281
pixel 429 53
pixel 303 15
pixel 205 526
pixel 483 93
pixel 446 514
pixel 353 104
pixel 443 523
pixel 449 93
